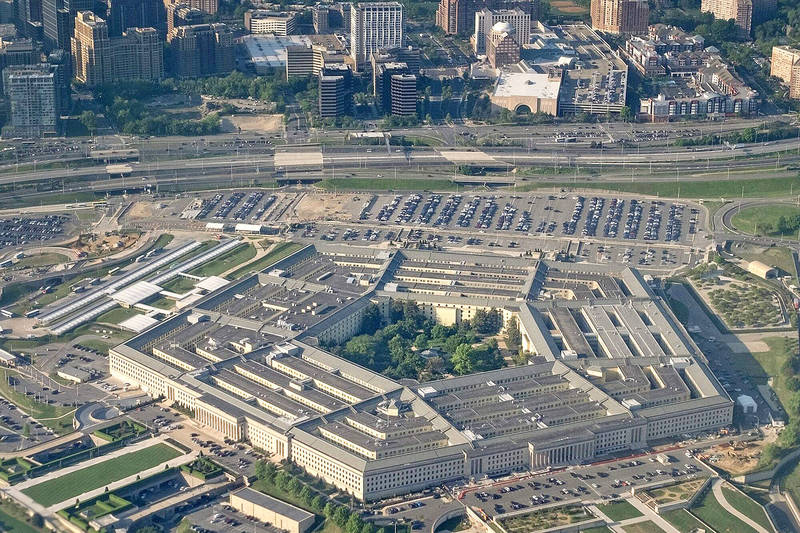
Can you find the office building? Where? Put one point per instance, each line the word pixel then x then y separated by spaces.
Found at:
pixel 319 17
pixel 58 19
pixel 502 47
pixel 274 22
pixel 31 93
pixel 374 26
pixel 124 14
pixel 299 61
pixel 183 14
pixel 404 95
pixel 741 11
pixel 620 16
pixel 271 510
pixel 486 18
pixel 97 59
pixel 59 60
pixel 611 370
pixel 200 50
pixel 335 91
pixel 786 66
pixel 458 16
pixel 382 73
pixel 207 6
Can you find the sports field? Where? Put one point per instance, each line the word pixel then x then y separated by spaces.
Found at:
pixel 93 477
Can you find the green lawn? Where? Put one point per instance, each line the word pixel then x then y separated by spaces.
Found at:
pixel 98 345
pixel 387 184
pixel 763 219
pixel 15 524
pixel 13 202
pixel 179 284
pixel 683 520
pixel 642 527
pixel 747 507
pixel 791 483
pixel 618 511
pixel 687 189
pixel 237 256
pixel 117 315
pixel 163 240
pixel 760 365
pixel 93 477
pixel 280 251
pixel 42 260
pixel 56 417
pixel 710 511
pixel 775 256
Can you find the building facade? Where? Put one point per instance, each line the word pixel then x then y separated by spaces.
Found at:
pixel 502 47
pixel 785 65
pixel 32 95
pixel 335 91
pixel 620 16
pixel 374 26
pixel 741 11
pixel 486 18
pixel 265 21
pixel 404 95
pixel 200 50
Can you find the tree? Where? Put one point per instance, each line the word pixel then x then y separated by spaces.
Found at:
pixel 421 342
pixel 625 114
pixel 306 494
pixel 317 504
pixel 462 359
pixel 329 510
pixel 37 520
pixel 353 524
pixel 294 486
pixel 341 515
pixel 89 121
pixel 371 320
pixel 184 526
pixel 513 335
pixel 367 528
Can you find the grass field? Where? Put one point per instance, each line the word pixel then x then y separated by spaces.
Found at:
pixel 745 505
pixel 15 202
pixel 557 516
pixel 42 260
pixel 690 189
pixel 117 315
pixel 642 527
pixel 677 492
pixel 179 284
pixel 387 184
pixel 710 511
pixel 619 510
pixel 775 256
pixel 760 365
pixel 55 417
pixel 237 256
pixel 280 251
pixel 14 524
pixel 791 483
pixel 93 477
pixel 682 520
pixel 763 219
pixel 98 345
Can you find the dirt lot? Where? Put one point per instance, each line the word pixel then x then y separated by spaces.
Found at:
pixel 252 123
pixel 141 210
pixel 743 458
pixel 100 245
pixel 567 6
pixel 327 207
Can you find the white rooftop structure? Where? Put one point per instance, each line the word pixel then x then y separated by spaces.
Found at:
pixel 527 84
pixel 268 52
pixel 138 323
pixel 7 358
pixel 139 291
pixel 212 283
pixel 748 405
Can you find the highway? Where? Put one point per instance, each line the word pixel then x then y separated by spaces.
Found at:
pixel 306 157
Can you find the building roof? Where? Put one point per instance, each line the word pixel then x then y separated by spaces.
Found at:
pixel 138 323
pixel 268 502
pixel 139 291
pixel 527 84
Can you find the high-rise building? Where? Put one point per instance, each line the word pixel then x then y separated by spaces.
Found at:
pixel 31 92
pixel 382 81
pixel 502 47
pixel 200 50
pixel 335 90
pixel 183 15
pixel 404 95
pixel 208 6
pixel 97 59
pixel 299 61
pixel 124 14
pixel 274 22
pixel 58 19
pixel 620 16
pixel 138 54
pixel 59 61
pixel 374 26
pixel 458 16
pixel 741 11
pixel 486 18
pixel 91 50
pixel 319 16
pixel 786 66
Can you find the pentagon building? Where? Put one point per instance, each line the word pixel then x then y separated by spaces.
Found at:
pixel 611 369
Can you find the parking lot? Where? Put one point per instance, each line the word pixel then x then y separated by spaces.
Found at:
pixel 222 518
pixel 16 231
pixel 606 481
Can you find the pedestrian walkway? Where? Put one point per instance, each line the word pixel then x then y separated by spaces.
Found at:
pixel 720 496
